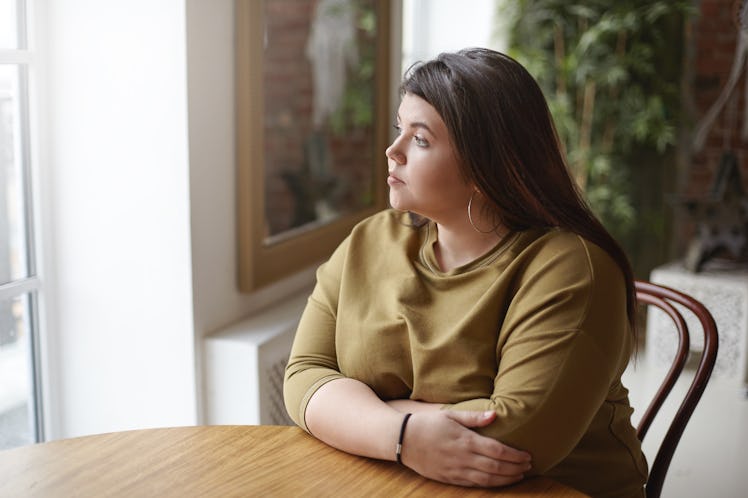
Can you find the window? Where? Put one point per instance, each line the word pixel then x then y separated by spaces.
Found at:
pixel 20 414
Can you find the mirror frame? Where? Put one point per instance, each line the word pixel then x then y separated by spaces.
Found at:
pixel 260 264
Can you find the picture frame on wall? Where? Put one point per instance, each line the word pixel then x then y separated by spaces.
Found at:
pixel 312 121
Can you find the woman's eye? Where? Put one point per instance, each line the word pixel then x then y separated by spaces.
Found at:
pixel 397 128
pixel 420 141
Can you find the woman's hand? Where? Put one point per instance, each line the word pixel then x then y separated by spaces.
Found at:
pixel 438 444
pixel 441 446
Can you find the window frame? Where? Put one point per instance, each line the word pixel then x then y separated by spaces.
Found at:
pixel 23 57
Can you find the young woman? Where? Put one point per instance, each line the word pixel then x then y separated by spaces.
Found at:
pixel 478 331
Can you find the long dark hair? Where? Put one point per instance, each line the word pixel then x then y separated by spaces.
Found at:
pixel 502 129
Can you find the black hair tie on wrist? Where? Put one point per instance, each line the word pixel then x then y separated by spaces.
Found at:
pixel 399 448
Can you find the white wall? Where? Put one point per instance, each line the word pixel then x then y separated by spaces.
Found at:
pixel 434 26
pixel 139 202
pixel 116 178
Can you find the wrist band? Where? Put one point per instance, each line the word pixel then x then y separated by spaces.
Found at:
pixel 399 448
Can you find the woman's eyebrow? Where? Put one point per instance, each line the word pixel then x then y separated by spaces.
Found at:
pixel 421 124
pixel 418 125
pixel 415 124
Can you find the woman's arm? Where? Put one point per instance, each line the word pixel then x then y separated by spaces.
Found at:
pixel 349 415
pixel 346 414
pixel 438 444
pixel 412 406
pixel 566 342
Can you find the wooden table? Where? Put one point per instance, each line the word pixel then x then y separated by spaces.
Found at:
pixel 221 461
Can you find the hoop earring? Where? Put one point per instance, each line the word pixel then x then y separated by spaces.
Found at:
pixel 470 216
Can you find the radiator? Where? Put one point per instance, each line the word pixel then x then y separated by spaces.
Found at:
pixel 244 364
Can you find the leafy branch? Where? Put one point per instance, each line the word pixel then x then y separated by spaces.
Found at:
pixel 599 64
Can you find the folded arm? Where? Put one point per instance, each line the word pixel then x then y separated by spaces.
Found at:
pixel 565 342
pixel 347 414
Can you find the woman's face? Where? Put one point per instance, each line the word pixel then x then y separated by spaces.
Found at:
pixel 424 172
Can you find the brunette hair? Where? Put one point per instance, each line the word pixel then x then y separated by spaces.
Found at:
pixel 502 130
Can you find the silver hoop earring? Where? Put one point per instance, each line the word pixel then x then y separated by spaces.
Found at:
pixel 470 216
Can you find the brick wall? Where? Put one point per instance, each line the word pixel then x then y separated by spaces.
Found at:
pixel 287 102
pixel 290 131
pixel 711 42
pixel 715 36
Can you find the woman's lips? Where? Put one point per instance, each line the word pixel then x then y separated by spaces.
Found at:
pixel 393 180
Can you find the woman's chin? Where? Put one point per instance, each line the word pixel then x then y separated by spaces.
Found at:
pixel 397 203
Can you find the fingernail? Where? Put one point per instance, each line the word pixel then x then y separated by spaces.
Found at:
pixel 487 414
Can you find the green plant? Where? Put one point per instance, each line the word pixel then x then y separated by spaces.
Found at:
pixel 357 107
pixel 611 74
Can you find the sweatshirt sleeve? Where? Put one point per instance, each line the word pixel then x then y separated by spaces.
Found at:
pixel 562 344
pixel 313 360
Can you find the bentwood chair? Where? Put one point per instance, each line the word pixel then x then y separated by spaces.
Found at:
pixel 664 298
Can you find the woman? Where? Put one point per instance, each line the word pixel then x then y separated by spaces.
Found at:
pixel 489 304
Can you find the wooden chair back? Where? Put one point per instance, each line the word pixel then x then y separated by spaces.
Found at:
pixel 648 293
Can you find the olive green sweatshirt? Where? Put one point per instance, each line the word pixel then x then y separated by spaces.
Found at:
pixel 536 330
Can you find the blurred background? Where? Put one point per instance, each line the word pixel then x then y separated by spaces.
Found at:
pixel 118 197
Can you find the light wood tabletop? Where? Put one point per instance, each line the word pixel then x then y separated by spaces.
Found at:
pixel 221 461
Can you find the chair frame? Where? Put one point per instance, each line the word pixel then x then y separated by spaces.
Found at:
pixel 648 293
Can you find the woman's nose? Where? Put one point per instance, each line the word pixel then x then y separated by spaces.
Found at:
pixel 392 152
